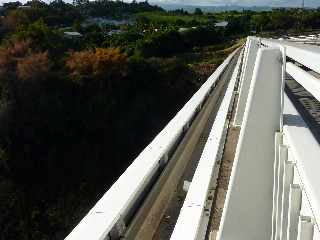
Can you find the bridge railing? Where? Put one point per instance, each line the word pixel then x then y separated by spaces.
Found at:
pixel 111 214
pixel 297 210
pixel 294 163
pixel 298 195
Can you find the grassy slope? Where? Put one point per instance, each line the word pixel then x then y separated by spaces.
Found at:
pixel 204 60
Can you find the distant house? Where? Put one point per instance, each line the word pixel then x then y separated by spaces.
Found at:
pixel 105 21
pixel 25 7
pixel 183 29
pixel 72 35
pixel 221 24
pixel 113 32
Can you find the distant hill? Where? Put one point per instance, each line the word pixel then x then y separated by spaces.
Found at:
pixel 191 8
pixel 221 8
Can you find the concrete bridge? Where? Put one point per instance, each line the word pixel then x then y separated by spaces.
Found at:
pixel 240 161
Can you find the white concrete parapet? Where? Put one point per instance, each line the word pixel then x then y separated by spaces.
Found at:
pixel 307 55
pixel 253 47
pixel 109 215
pixel 247 213
pixel 303 153
pixel 297 209
pixel 309 82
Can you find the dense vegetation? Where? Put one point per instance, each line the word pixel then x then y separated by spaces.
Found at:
pixel 75 111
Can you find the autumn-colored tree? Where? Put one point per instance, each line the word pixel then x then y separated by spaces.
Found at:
pixel 5 61
pixel 20 49
pixel 80 64
pixel 19 62
pixel 10 56
pixel 109 62
pixel 98 64
pixel 34 66
pixel 14 19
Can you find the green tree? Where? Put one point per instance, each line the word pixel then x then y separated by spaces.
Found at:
pixel 41 37
pixel 160 44
pixel 198 11
pixel 261 22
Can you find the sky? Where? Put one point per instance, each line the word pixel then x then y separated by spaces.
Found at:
pixel 270 3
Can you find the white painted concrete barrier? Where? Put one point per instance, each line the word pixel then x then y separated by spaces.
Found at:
pixel 309 82
pixel 244 62
pixel 307 55
pixel 253 47
pixel 293 196
pixel 304 152
pixel 247 214
pixel 108 216
pixel 195 213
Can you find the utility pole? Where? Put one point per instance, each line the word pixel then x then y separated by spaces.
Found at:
pixel 302 4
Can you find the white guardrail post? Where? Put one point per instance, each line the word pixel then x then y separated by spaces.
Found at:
pixel 253 47
pixel 247 212
pixel 195 213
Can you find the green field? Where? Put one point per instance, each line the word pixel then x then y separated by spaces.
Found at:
pixel 170 18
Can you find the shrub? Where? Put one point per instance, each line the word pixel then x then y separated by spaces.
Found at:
pixel 98 64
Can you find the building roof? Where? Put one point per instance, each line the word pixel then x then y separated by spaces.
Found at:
pixel 73 34
pixel 221 24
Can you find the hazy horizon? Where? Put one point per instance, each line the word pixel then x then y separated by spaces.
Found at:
pixel 246 3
